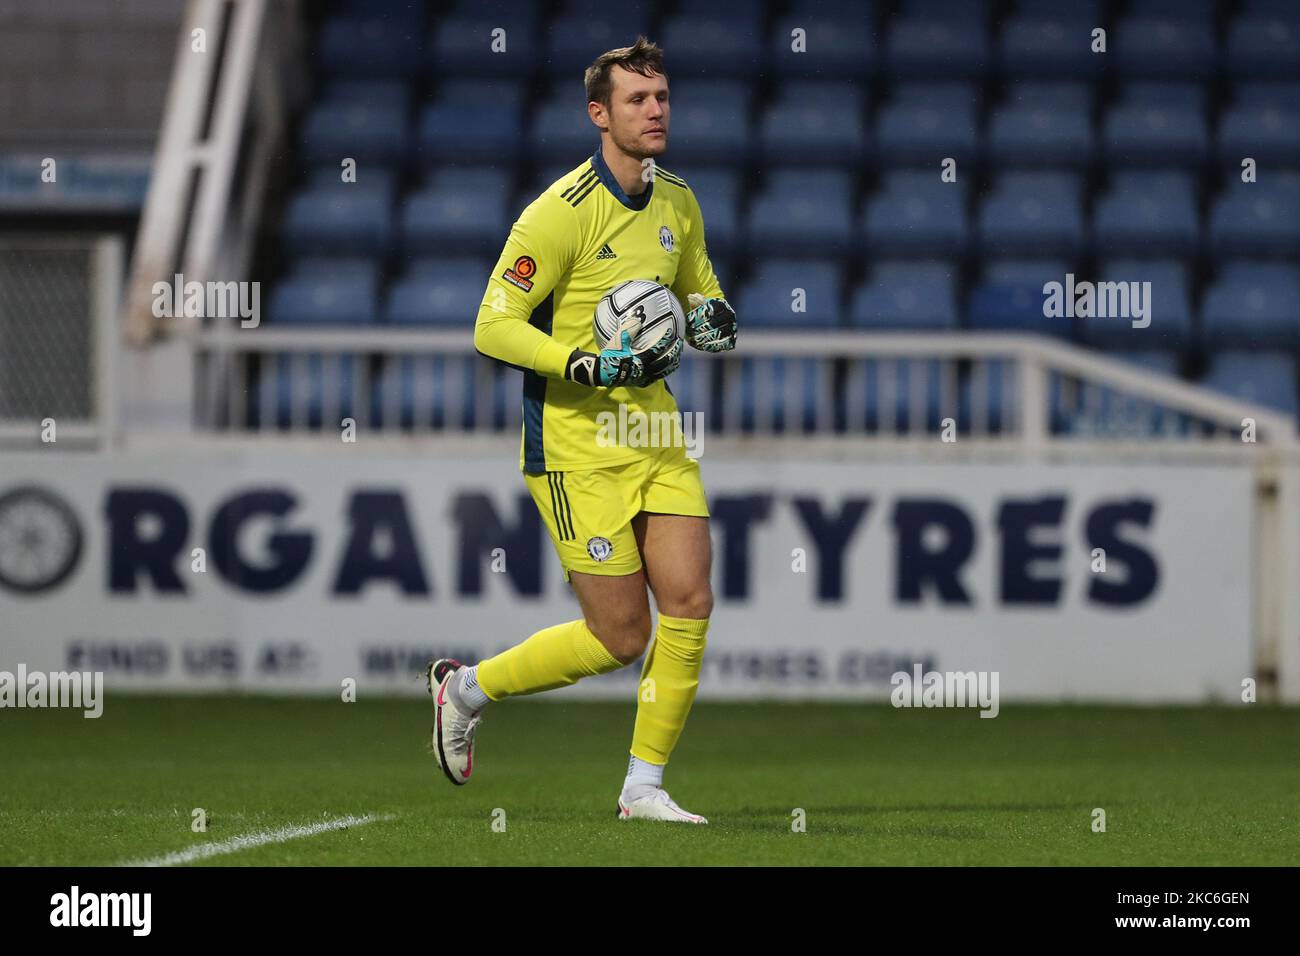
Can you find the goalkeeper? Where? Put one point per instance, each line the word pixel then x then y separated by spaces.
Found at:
pixel 625 521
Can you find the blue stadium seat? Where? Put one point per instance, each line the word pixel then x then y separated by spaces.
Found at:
pixel 1010 297
pixel 462 46
pixel 562 131
pixel 572 42
pixel 339 219
pixel 834 46
pixel 919 215
pixel 366 133
pixel 1269 133
pixel 937 95
pixel 1148 94
pixel 1155 135
pixel 802 214
pixel 988 398
pixel 794 134
pixel 971 14
pixel 707 131
pixel 1170 307
pixel 1040 136
pixel 912 130
pixel 714 46
pixel 1087 410
pixel 366 46
pixel 849 97
pixel 723 96
pixel 1255 93
pixel 1199 11
pixel 919 296
pixel 1265 9
pixel 1064 95
pixel 1266 46
pixel 1267 378
pixel 1049 46
pixel 745 14
pixel 439 292
pixel 785 394
pixel 322 388
pixel 434 390
pixel 453 223
pixel 718 193
pixel 1079 9
pixel 1033 215
pixel 319 298
pixel 408 13
pixel 1147 215
pixel 467 132
pixel 1255 220
pixel 1163 47
pixel 381 93
pixel 881 393
pixel 935 48
pixel 767 299
pixel 1253 306
pixel 498 93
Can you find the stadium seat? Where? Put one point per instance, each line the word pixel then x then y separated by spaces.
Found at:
pixel 461 46
pixel 1196 11
pixel 881 394
pixel 467 132
pixel 1040 136
pixel 988 398
pixel 1088 410
pixel 382 93
pixel 1010 297
pixel 1253 306
pixel 1266 46
pixel 1267 378
pixel 918 128
pixel 367 133
pixel 707 130
pixel 1269 133
pixel 1155 135
pixel 780 394
pixel 801 134
pixel 1164 47
pixel 340 219
pixel 767 300
pixel 934 48
pixel 439 292
pixel 1046 45
pixel 1147 214
pixel 562 132
pixel 305 390
pixel 802 214
pixel 369 46
pixel 844 46
pixel 437 391
pixel 1170 308
pixel 445 220
pixel 1067 96
pixel 348 297
pixel 920 296
pixel 1256 220
pixel 572 42
pixel 712 45
pixel 1032 214
pixel 920 216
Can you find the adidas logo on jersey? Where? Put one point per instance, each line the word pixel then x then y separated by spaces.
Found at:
pixel 606 252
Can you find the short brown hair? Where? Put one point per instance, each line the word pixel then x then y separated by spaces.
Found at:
pixel 641 57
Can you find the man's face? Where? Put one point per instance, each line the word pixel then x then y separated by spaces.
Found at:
pixel 638 112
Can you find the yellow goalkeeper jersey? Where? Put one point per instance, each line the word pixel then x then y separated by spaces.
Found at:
pixel 577 240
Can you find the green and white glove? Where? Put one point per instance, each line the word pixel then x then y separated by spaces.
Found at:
pixel 661 359
pixel 612 367
pixel 710 324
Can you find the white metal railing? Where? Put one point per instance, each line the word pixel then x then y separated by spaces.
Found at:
pixel 777 382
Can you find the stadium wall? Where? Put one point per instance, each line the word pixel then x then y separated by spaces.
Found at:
pixel 274 569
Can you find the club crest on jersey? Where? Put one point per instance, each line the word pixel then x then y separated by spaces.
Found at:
pixel 521 273
pixel 599 548
pixel 666 238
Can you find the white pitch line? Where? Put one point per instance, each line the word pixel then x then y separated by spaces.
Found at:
pixel 249 840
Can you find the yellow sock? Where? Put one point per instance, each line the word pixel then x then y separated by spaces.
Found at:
pixel 554 657
pixel 669 679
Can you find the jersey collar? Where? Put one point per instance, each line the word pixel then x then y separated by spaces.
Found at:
pixel 635 203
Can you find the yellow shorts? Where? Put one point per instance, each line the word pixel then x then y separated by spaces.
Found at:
pixel 589 513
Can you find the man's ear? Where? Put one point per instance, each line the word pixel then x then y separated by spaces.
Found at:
pixel 596 112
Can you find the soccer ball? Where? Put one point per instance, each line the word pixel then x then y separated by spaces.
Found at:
pixel 646 309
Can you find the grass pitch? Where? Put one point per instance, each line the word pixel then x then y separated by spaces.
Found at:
pixel 1180 786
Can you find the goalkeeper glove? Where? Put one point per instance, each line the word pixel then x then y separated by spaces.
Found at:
pixel 661 359
pixel 711 324
pixel 611 367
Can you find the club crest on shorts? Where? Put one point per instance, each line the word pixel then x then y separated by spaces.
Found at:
pixel 599 548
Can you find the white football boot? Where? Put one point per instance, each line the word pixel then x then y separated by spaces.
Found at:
pixel 656 806
pixel 453 728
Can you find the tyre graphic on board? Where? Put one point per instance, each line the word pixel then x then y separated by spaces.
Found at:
pixel 40 540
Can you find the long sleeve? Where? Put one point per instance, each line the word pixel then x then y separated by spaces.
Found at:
pixel 538 253
pixel 695 271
